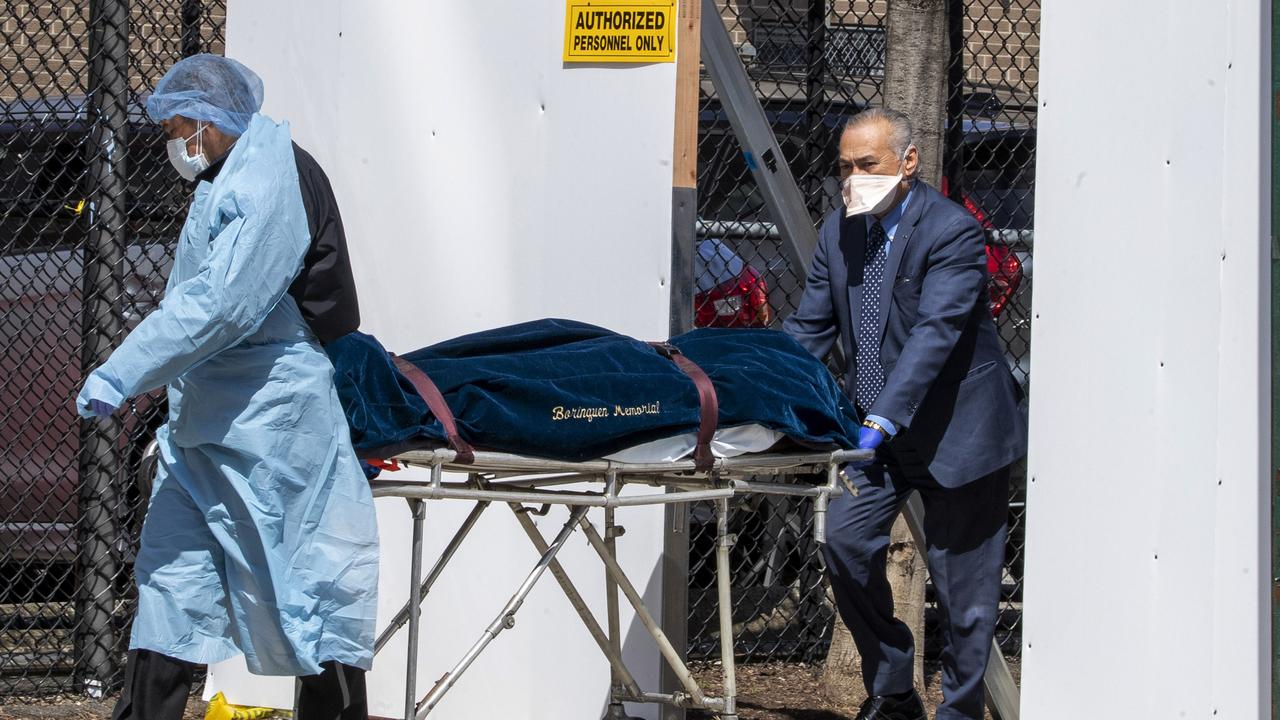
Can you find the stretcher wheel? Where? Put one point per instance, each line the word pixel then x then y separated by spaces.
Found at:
pixel 616 712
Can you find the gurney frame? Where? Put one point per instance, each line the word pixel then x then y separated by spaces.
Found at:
pixel 524 482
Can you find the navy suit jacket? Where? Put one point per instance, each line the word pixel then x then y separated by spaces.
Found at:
pixel 948 387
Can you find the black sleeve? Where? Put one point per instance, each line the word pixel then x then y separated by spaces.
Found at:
pixel 324 290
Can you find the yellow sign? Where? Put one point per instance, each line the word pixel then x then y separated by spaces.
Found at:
pixel 640 31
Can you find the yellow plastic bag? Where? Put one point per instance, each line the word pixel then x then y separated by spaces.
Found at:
pixel 220 709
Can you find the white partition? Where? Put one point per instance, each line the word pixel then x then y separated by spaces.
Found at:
pixel 1147 568
pixel 481 183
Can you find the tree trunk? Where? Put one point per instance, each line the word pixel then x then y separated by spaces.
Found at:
pixel 906 573
pixel 841 681
pixel 917 55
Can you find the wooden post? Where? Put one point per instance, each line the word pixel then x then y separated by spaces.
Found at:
pixel 684 166
pixel 688 63
pixel 684 219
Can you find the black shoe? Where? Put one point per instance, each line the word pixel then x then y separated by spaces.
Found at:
pixel 882 707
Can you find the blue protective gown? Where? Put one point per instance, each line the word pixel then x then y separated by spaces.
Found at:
pixel 261 536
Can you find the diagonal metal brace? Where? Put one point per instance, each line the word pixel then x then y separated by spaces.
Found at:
pixel 1002 691
pixel 759 146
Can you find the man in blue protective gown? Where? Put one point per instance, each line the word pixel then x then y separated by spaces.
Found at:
pixel 261 537
pixel 899 276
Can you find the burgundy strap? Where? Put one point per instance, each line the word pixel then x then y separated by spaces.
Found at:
pixel 435 402
pixel 710 405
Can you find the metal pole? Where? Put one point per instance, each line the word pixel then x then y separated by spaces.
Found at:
pixel 611 533
pixel 101 327
pixel 191 11
pixel 953 143
pixel 426 492
pixel 684 222
pixel 418 507
pixel 1002 692
pixel 1275 354
pixel 724 541
pixel 821 502
pixel 815 95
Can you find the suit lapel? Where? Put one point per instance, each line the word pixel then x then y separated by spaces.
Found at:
pixel 853 245
pixel 906 228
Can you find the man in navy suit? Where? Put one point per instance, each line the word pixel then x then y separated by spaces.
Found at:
pixel 899 276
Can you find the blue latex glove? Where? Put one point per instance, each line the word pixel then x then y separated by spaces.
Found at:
pixel 99 397
pixel 101 409
pixel 868 439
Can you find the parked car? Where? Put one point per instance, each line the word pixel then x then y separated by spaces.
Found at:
pixel 44 225
pixel 730 293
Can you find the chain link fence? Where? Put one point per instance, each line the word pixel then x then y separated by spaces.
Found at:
pixel 89 212
pixel 813 63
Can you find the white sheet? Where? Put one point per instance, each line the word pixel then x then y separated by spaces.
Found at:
pixel 727 442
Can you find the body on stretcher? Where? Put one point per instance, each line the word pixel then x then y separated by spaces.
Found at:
pixel 569 391
pixel 562 413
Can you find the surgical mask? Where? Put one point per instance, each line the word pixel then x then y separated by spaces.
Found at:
pixel 187 166
pixel 872 194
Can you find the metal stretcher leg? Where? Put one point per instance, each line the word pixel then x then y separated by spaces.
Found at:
pixel 672 656
pixel 611 533
pixel 628 682
pixel 402 616
pixel 724 541
pixel 415 607
pixel 506 617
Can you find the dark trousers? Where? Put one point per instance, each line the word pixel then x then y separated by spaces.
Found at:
pixel 965 531
pixel 156 687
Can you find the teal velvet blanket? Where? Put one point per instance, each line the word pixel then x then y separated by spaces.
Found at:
pixel 571 391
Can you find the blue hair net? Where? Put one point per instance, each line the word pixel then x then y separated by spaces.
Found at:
pixel 211 88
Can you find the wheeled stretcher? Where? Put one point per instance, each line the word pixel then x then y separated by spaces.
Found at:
pixel 562 413
pixel 529 486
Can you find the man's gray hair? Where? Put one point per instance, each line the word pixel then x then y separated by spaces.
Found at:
pixel 900 128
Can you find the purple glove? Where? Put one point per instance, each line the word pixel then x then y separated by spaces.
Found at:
pixel 868 439
pixel 101 409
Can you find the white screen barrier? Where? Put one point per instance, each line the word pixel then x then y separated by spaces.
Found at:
pixel 482 182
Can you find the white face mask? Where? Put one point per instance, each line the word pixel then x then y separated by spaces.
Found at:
pixel 871 193
pixel 187 166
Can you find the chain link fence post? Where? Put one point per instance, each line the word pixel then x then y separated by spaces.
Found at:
pixel 191 13
pixel 815 96
pixel 101 323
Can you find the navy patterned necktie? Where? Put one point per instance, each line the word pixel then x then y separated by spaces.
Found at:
pixel 870 380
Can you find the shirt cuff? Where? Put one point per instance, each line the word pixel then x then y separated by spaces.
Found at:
pixel 885 423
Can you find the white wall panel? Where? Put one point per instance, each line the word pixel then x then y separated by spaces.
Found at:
pixel 482 183
pixel 1147 565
